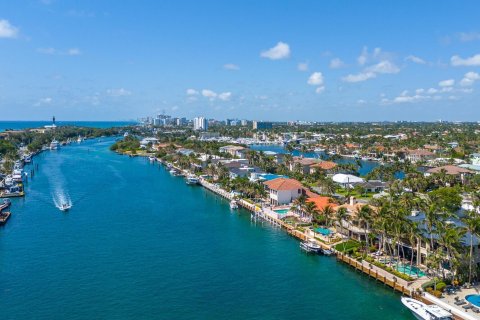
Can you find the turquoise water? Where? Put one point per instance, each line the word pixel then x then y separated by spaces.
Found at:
pixel 271 176
pixel 323 231
pixel 140 244
pixel 410 270
pixel 4 125
pixel 282 211
pixel 473 299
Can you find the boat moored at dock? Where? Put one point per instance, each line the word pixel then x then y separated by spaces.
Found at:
pixel 233 205
pixel 192 180
pixel 310 246
pixel 422 311
pixel 54 145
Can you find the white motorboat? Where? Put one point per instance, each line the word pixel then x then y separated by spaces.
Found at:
pixel 327 252
pixel 310 245
pixel 422 311
pixel 233 205
pixel 54 144
pixel 319 150
pixel 152 159
pixel 192 180
pixel 65 207
pixel 173 172
pixel 79 139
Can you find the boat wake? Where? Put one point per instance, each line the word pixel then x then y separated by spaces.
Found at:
pixel 62 200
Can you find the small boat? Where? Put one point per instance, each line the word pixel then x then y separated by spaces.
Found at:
pixel 310 246
pixel 7 202
pixel 422 311
pixel 79 139
pixel 319 150
pixel 233 205
pixel 192 180
pixel 4 215
pixel 65 207
pixel 28 159
pixel 54 144
pixel 152 159
pixel 327 252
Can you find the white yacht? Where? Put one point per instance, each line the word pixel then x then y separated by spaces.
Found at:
pixel 233 205
pixel 54 144
pixel 310 245
pixel 192 180
pixel 65 207
pixel 152 159
pixel 422 311
pixel 79 139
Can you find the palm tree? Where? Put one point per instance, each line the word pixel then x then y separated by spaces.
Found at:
pixel 472 226
pixel 340 216
pixel 299 203
pixel 327 212
pixel 311 210
pixel 364 216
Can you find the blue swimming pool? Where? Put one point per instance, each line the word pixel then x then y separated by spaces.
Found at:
pixel 410 270
pixel 282 211
pixel 323 231
pixel 271 176
pixel 473 299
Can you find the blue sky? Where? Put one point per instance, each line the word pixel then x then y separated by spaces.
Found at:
pixel 265 60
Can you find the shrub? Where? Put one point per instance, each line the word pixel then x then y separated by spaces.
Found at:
pixel 436 293
pixel 441 286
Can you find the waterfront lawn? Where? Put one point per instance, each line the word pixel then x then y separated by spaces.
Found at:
pixel 348 246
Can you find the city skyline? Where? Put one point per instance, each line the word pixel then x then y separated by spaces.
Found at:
pixel 328 61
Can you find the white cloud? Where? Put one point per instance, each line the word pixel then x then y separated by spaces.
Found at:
pixel 320 89
pixel 302 66
pixel 225 96
pixel 315 79
pixel 469 79
pixel 73 52
pixel 361 101
pixel 415 59
pixel 43 101
pixel 469 36
pixel 471 61
pixel 359 77
pixel 384 66
pixel 336 63
pixel 362 58
pixel 209 94
pixel 120 92
pixel 53 51
pixel 231 66
pixel 446 83
pixel 419 91
pixel 280 51
pixel 192 92
pixel 432 91
pixel 7 30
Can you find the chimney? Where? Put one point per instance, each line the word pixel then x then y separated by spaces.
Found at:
pixel 352 201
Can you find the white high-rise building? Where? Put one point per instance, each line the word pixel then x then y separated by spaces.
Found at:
pixel 200 123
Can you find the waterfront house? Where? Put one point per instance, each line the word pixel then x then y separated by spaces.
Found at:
pixel 303 164
pixel 419 155
pixel 283 190
pixel 243 171
pixel 374 186
pixel 148 141
pixel 324 166
pixel 352 227
pixel 234 151
pixel 346 180
pixel 459 172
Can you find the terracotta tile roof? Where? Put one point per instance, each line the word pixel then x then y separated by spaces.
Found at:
pixel 322 202
pixel 325 165
pixel 450 169
pixel 283 184
pixel 305 161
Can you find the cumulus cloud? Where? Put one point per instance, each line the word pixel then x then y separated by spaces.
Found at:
pixel 384 66
pixel 120 92
pixel 302 66
pixel 225 96
pixel 469 79
pixel 470 61
pixel 359 77
pixel 415 59
pixel 7 30
pixel 280 51
pixel 315 79
pixel 446 83
pixel 192 92
pixel 209 94
pixel 231 66
pixel 336 63
pixel 320 89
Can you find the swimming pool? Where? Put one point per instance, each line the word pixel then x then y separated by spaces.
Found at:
pixel 411 271
pixel 323 231
pixel 271 176
pixel 473 299
pixel 282 211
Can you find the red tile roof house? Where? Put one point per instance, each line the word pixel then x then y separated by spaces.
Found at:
pixel 305 164
pixel 459 172
pixel 419 155
pixel 283 190
pixel 326 166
